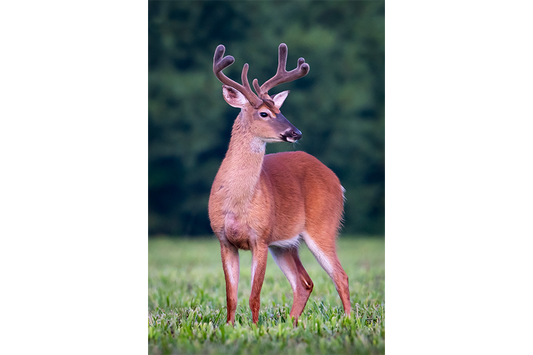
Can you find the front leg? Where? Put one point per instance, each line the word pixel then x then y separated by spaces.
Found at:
pixel 259 261
pixel 230 263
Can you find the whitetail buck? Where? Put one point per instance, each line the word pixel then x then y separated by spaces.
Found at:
pixel 270 202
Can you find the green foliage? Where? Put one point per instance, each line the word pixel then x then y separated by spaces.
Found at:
pixel 187 304
pixel 339 105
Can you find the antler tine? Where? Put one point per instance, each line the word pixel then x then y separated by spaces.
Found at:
pixel 282 76
pixel 220 64
pixel 244 79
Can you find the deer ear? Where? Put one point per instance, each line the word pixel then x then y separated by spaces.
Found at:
pixel 233 96
pixel 280 98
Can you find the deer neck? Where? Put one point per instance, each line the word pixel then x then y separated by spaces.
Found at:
pixel 241 168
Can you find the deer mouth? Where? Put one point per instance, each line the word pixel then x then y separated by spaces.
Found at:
pixel 288 139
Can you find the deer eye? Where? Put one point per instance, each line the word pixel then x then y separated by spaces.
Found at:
pixel 263 114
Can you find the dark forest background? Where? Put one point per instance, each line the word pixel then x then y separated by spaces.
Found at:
pixel 338 106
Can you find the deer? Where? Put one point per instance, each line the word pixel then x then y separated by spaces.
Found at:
pixel 271 202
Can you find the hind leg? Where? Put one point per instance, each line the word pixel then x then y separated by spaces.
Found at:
pixel 326 255
pixel 289 262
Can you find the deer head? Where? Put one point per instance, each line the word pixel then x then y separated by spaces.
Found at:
pixel 261 112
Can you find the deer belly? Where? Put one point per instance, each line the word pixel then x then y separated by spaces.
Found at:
pixel 236 232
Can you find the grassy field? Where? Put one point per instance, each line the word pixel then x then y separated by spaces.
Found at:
pixel 187 305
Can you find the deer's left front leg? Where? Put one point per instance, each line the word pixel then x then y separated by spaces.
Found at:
pixel 259 261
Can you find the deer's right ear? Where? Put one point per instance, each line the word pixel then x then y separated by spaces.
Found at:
pixel 233 96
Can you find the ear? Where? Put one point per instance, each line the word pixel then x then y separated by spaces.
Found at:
pixel 233 96
pixel 280 98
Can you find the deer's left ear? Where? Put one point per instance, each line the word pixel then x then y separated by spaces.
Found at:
pixel 280 98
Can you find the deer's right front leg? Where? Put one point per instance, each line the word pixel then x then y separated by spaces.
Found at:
pixel 230 263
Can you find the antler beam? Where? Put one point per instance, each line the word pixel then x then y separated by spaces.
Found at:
pixel 220 64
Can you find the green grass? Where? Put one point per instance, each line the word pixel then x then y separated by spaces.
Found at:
pixel 187 303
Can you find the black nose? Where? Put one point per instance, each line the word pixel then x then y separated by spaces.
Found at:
pixel 292 135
